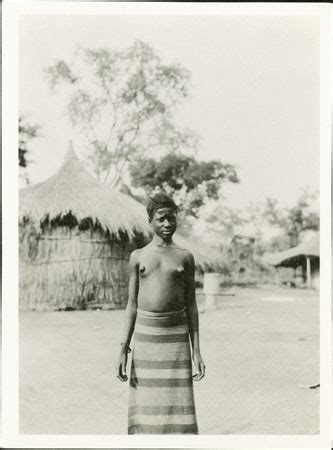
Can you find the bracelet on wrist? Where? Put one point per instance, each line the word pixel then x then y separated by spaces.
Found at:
pixel 127 347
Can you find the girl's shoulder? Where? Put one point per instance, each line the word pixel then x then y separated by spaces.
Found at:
pixel 185 254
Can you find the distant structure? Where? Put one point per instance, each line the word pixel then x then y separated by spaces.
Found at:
pixel 305 256
pixel 75 238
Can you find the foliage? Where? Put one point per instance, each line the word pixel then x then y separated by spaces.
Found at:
pixel 225 227
pixel 27 132
pixel 272 226
pixel 293 221
pixel 122 101
pixel 222 222
pixel 189 181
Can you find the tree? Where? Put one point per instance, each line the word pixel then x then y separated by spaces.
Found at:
pixel 222 223
pixel 293 221
pixel 267 225
pixel 123 101
pixel 189 181
pixel 27 132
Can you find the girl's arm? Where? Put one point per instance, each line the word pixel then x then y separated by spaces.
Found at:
pixel 130 316
pixel 193 319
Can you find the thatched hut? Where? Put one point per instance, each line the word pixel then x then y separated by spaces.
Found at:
pixel 75 239
pixel 304 256
pixel 76 236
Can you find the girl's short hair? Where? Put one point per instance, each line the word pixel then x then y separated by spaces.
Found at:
pixel 159 200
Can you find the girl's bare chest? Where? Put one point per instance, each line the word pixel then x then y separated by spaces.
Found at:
pixel 164 265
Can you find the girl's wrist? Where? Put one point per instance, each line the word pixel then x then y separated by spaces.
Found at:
pixel 125 348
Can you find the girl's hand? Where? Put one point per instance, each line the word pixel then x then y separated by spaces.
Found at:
pixel 200 367
pixel 121 366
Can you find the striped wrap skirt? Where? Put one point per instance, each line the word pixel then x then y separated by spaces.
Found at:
pixel 161 399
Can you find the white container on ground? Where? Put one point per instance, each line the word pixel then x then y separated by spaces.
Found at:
pixel 211 288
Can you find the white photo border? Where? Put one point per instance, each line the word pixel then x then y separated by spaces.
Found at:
pixel 10 364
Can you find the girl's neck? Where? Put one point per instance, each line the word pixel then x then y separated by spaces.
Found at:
pixel 157 241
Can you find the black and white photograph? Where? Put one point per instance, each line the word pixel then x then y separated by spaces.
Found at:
pixel 169 222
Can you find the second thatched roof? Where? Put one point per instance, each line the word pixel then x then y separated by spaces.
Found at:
pixel 291 257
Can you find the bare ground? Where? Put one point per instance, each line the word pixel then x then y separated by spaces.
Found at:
pixel 261 349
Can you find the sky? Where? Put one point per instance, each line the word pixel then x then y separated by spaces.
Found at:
pixel 254 97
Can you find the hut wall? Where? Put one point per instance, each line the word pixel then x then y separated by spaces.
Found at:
pixel 62 268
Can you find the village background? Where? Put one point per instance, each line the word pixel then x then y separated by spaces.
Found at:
pixel 222 113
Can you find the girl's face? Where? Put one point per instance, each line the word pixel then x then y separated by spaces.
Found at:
pixel 164 222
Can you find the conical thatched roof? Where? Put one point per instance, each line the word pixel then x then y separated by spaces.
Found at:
pixel 73 189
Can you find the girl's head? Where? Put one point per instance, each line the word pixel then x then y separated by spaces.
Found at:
pixel 158 201
pixel 162 213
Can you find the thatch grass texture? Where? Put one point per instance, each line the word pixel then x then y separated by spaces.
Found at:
pixel 70 269
pixel 73 190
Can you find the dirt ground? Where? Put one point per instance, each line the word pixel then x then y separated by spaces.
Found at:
pixel 261 349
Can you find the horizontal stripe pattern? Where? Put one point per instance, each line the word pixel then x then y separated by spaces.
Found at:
pixel 159 330
pixel 171 364
pixel 143 396
pixel 162 323
pixel 161 352
pixel 138 372
pixel 160 382
pixel 161 399
pixel 161 410
pixel 161 338
pixel 163 429
pixel 160 419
